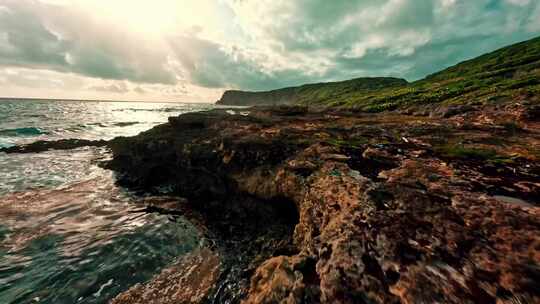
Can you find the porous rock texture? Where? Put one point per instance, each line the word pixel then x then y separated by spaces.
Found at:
pixel 312 206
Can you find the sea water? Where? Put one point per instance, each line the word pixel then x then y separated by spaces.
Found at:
pixel 68 234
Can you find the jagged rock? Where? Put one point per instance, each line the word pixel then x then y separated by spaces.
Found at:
pixel 339 208
pixel 380 155
pixel 283 279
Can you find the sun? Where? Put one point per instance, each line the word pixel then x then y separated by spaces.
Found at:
pixel 155 17
pixel 152 17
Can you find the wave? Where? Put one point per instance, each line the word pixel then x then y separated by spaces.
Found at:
pixel 115 124
pixel 5 145
pixel 172 109
pixel 29 131
pixel 126 124
pixel 37 115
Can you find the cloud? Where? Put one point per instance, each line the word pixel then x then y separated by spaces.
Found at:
pixel 24 82
pixel 212 65
pixel 118 88
pixel 66 39
pixel 404 38
pixel 140 90
pixel 247 44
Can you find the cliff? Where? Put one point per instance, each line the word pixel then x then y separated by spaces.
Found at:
pixel 504 73
pixel 318 93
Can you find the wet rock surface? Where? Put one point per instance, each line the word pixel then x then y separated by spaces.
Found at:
pixel 188 281
pixel 340 207
pixel 62 144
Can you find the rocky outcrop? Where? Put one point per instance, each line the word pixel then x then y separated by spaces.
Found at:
pixel 309 93
pixel 243 98
pixel 62 144
pixel 338 207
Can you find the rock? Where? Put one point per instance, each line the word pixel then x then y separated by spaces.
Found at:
pixel 188 281
pixel 301 219
pixel 449 111
pixel 291 275
pixel 380 155
pixel 335 157
pixel 288 110
pixel 62 144
pixel 532 113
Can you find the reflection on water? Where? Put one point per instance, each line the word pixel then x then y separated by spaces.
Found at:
pixel 27 121
pixel 19 172
pixel 82 243
pixel 67 233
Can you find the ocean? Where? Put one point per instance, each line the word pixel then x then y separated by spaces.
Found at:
pixel 68 234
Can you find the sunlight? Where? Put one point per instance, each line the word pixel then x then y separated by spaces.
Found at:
pixel 149 17
pixel 140 16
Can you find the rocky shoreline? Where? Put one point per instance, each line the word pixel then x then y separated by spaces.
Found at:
pixel 334 206
pixel 311 205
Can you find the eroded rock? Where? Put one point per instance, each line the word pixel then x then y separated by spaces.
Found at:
pixel 352 208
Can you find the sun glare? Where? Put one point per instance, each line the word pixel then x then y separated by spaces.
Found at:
pixel 152 17
pixel 142 16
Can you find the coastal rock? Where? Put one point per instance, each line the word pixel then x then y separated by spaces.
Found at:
pixel 532 113
pixel 188 281
pixel 337 207
pixel 283 279
pixel 62 144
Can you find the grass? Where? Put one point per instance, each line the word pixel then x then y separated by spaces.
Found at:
pixel 506 73
pixel 326 93
pixel 459 151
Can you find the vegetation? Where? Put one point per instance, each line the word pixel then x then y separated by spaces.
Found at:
pixel 511 71
pixel 309 94
pixel 326 93
pixel 506 73
pixel 351 143
pixel 460 151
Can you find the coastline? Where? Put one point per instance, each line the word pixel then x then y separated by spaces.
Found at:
pixel 332 206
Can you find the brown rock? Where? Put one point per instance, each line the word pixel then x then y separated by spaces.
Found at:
pixel 383 221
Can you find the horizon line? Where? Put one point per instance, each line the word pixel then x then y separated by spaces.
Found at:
pixel 95 100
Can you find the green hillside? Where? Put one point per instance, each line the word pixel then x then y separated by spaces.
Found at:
pixel 328 92
pixel 509 72
pixel 501 75
pixel 317 93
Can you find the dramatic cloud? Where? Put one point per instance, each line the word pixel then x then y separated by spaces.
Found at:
pixel 66 39
pixel 194 49
pixel 403 38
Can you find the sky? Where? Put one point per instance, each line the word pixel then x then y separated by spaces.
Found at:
pixel 193 50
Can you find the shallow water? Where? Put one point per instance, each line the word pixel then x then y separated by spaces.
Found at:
pixel 68 234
